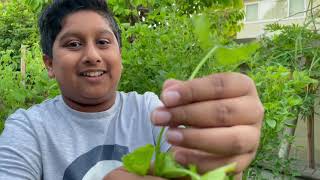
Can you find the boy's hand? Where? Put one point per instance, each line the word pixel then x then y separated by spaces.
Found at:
pixel 224 115
pixel 122 174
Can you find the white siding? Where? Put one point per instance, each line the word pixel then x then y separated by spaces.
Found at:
pixel 270 11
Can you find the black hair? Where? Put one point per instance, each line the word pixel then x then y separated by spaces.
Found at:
pixel 51 19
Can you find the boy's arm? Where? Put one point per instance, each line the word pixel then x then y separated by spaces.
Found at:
pixel 19 151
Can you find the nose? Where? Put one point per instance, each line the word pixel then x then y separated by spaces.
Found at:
pixel 91 54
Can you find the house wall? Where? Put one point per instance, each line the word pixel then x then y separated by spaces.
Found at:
pixel 270 11
pixel 254 30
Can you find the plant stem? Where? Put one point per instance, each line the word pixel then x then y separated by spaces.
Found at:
pixel 202 62
pixel 193 75
pixel 157 149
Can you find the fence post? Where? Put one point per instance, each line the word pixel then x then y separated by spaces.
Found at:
pixel 311 147
pixel 285 146
pixel 23 52
pixel 311 128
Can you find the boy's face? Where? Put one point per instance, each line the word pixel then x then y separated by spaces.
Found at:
pixel 86 62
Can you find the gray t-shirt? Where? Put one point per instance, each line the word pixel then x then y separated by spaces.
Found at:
pixel 51 141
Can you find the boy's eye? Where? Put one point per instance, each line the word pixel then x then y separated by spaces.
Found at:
pixel 73 44
pixel 103 42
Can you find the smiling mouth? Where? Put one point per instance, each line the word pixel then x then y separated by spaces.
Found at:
pixel 92 73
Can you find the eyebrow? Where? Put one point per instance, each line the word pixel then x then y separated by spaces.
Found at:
pixel 105 31
pixel 78 33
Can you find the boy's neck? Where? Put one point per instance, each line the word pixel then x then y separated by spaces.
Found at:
pixel 90 108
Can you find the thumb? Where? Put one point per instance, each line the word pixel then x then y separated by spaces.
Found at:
pixel 169 83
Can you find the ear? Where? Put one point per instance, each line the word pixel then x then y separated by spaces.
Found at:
pixel 48 63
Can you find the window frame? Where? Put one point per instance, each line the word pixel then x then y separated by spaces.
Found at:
pixel 258 10
pixel 274 19
pixel 304 9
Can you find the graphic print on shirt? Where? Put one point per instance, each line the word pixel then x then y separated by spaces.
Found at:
pixel 96 163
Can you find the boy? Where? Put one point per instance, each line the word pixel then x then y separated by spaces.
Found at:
pixel 83 133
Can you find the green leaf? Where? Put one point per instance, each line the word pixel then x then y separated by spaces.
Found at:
pixel 159 159
pixel 19 96
pixel 230 3
pixel 235 55
pixel 271 123
pixel 290 125
pixel 167 167
pixel 295 101
pixel 202 31
pixel 193 169
pixel 220 173
pixel 238 4
pixel 138 161
pixel 217 175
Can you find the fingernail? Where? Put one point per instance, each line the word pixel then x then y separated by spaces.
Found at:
pixel 161 117
pixel 171 98
pixel 169 82
pixel 174 136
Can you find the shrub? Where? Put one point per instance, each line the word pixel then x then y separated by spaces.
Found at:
pixel 18 25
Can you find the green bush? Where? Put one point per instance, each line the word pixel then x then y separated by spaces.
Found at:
pixel 18 25
pixel 293 46
pixel 163 43
pixel 282 93
pixel 158 53
pixel 22 91
pixel 286 71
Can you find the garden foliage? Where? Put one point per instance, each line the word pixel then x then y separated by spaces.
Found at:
pixel 166 39
pixel 287 72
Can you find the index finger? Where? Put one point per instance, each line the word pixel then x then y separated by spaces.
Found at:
pixel 212 87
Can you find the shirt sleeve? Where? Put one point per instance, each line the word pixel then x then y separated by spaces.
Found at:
pixel 155 102
pixel 19 150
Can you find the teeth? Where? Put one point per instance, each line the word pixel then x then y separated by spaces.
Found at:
pixel 93 74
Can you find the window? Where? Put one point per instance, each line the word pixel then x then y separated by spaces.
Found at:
pixel 252 12
pixel 273 9
pixel 296 6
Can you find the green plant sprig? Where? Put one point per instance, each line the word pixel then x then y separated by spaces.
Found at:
pixel 165 165
pixel 202 62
